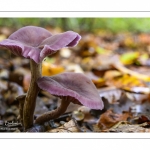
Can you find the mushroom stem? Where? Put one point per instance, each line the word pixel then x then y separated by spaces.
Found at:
pixel 30 100
pixel 21 100
pixel 54 113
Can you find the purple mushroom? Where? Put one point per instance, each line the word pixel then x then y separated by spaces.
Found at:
pixel 35 43
pixel 70 87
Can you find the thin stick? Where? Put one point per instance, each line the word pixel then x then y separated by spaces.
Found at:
pixel 123 69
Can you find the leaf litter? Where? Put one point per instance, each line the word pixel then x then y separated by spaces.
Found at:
pixel 118 65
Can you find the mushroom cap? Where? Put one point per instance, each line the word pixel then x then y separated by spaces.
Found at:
pixel 30 35
pixel 75 86
pixel 36 43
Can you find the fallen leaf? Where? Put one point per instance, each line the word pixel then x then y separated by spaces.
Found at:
pixel 109 119
pixel 129 57
pixel 112 94
pixel 110 74
pixel 129 83
pixel 128 128
pixel 67 127
pixel 113 60
pixel 49 69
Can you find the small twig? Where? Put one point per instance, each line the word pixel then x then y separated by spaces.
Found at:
pixel 125 70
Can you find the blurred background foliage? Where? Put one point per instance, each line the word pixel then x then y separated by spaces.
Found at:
pixel 115 25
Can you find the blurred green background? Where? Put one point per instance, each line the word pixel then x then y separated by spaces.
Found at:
pixel 114 25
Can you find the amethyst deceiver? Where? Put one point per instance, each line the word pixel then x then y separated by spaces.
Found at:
pixel 70 87
pixel 35 43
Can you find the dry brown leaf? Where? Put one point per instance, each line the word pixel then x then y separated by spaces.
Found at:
pixel 125 127
pixel 67 127
pixel 109 119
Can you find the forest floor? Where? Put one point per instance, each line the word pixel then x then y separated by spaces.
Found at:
pixel 118 65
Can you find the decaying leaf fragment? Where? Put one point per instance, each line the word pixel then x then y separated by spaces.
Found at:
pixel 67 127
pixel 128 128
pixel 109 119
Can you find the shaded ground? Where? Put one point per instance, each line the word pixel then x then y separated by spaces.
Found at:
pixel 118 65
